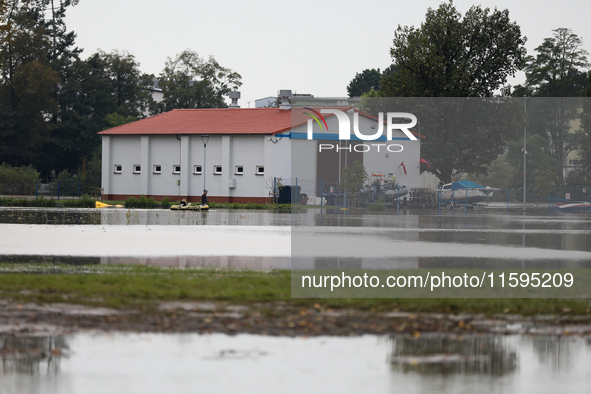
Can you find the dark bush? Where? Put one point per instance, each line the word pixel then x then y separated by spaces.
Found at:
pixel 165 203
pixel 131 202
pixel 18 180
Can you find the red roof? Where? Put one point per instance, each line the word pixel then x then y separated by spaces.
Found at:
pixel 213 121
pixel 219 121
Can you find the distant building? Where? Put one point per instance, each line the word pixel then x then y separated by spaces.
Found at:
pixel 266 102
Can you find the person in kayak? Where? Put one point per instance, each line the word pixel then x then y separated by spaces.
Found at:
pixel 204 198
pixel 184 203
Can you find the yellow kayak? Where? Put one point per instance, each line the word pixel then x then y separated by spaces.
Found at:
pixel 103 205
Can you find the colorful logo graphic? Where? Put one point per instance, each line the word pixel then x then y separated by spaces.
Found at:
pixel 344 122
pixel 316 117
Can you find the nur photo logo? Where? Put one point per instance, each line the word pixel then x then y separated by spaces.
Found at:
pixel 344 124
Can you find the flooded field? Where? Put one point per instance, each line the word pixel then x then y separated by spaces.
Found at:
pixel 557 359
pixel 308 239
pixel 183 363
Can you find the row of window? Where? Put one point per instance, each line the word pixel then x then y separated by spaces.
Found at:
pixel 197 169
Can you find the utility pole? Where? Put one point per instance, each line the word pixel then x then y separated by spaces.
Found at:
pixel 524 149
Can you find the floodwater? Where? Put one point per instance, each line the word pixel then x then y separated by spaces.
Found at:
pixel 476 239
pixel 216 363
pixel 307 239
pixel 96 362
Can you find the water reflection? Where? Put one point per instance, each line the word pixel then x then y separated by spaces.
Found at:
pixel 156 363
pixel 334 239
pixel 486 355
pixel 31 355
pixel 144 217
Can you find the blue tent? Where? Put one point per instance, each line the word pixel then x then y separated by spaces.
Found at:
pixel 465 185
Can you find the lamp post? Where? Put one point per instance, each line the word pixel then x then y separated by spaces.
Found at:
pixel 204 139
pixel 524 149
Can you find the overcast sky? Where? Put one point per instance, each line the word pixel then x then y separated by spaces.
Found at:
pixel 307 46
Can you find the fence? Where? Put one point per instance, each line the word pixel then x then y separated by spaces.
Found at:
pixel 60 189
pixel 380 198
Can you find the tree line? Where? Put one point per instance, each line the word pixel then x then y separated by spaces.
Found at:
pixel 53 102
pixel 472 55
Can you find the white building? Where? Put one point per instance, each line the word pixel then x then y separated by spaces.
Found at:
pixel 236 153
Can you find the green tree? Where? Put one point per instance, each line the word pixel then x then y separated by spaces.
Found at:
pixel 540 161
pixel 85 97
pixel 451 55
pixel 585 128
pixel 26 81
pixel 498 174
pixel 545 182
pixel 364 82
pixel 188 81
pixel 129 87
pixel 353 179
pixel 455 56
pixel 103 91
pixel 556 69
pixel 556 73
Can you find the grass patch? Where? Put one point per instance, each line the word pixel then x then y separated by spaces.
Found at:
pixel 133 286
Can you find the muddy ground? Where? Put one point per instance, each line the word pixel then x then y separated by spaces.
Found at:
pixel 270 319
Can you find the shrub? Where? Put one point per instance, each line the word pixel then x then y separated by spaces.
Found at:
pixel 18 180
pixel 85 202
pixel 131 202
pixel 23 202
pixel 151 203
pixel 379 207
pixel 165 203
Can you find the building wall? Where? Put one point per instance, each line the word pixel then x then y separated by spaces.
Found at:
pixel 227 151
pixel 124 151
pixel 164 151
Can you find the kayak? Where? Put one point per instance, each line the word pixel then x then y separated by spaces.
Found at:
pixel 190 208
pixel 103 205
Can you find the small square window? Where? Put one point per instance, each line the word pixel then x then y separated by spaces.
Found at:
pixel 137 169
pixel 197 170
pixel 157 169
pixel 260 170
pixel 217 170
pixel 118 168
pixel 176 169
pixel 239 170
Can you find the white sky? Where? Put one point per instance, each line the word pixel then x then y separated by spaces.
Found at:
pixel 307 46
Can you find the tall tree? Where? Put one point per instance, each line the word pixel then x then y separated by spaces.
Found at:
pixel 540 160
pixel 455 56
pixel 585 129
pixel 130 87
pixel 26 81
pixel 556 72
pixel 188 81
pixel 451 55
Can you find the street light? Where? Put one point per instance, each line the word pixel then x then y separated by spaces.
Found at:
pixel 204 139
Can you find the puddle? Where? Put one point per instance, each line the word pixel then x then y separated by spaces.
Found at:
pixel 184 363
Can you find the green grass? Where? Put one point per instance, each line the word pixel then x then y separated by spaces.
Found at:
pixel 140 286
